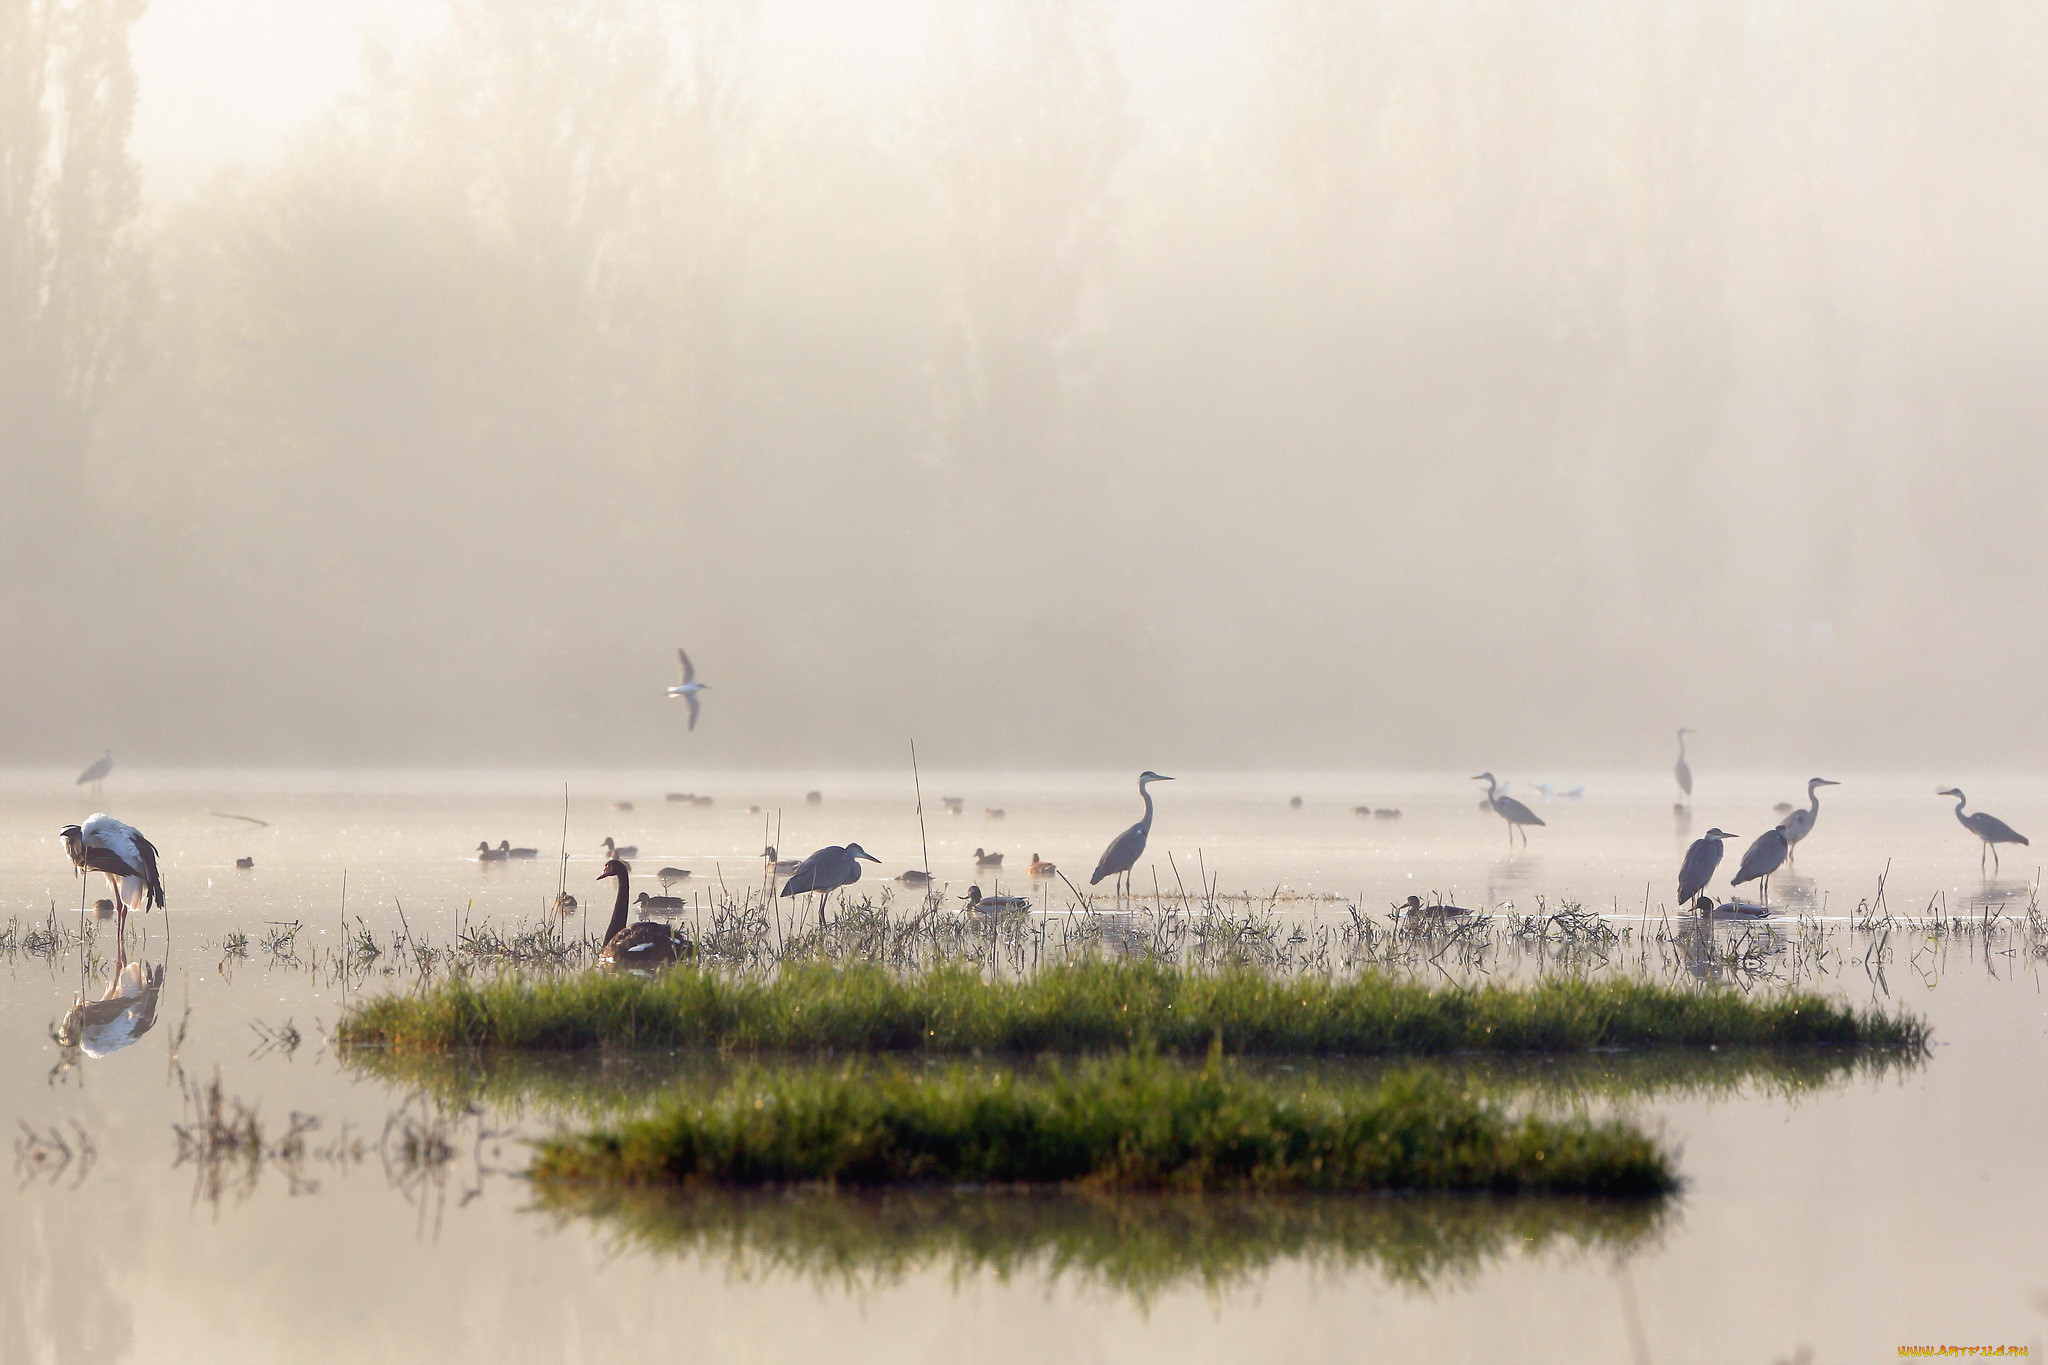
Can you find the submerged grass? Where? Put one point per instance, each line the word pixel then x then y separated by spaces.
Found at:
pixel 1101 1005
pixel 1131 1121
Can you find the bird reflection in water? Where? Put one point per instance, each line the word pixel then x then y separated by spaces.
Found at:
pixel 127 1010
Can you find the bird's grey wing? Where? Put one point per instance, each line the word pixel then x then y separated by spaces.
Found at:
pixel 805 877
pixel 689 670
pixel 1518 812
pixel 1121 853
pixel 691 697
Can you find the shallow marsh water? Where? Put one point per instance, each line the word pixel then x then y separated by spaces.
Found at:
pixel 1849 1214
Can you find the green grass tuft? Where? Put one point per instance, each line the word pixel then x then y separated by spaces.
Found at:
pixel 1132 1121
pixel 1100 1006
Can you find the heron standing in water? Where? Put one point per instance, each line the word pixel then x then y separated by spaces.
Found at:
pixel 1125 850
pixel 97 773
pixel 1764 857
pixel 826 871
pixel 1700 861
pixel 1992 830
pixel 1799 823
pixel 1507 808
pixel 1683 770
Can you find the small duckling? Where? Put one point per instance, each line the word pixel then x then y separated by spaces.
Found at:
pixel 245 863
pixel 982 858
pixel 1040 868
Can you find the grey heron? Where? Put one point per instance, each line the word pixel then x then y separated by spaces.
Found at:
pixel 1683 770
pixel 1763 857
pixel 689 687
pixel 995 905
pixel 985 859
pixel 1992 830
pixel 826 871
pixel 644 944
pixel 117 849
pixel 1700 861
pixel 1799 823
pixel 1507 808
pixel 96 772
pixel 1124 850
pixel 1041 869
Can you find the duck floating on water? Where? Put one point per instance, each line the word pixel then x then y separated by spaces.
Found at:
pixel 983 858
pixel 1042 869
pixel 994 905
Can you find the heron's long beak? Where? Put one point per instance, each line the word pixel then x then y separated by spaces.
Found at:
pixel 869 856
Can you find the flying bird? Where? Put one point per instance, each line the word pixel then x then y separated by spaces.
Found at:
pixel 1507 808
pixel 1125 850
pixel 642 944
pixel 129 861
pixel 1700 861
pixel 1992 830
pixel 1683 771
pixel 1763 857
pixel 1799 823
pixel 689 687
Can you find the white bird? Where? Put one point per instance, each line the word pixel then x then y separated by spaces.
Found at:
pixel 689 687
pixel 118 850
pixel 1683 771
pixel 1508 809
pixel 1799 823
pixel 119 1017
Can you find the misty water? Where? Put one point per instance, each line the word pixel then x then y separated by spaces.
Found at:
pixel 400 1220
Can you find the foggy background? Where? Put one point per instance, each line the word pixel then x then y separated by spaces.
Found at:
pixel 1063 383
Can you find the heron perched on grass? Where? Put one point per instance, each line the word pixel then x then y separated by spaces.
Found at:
pixel 1507 808
pixel 1799 823
pixel 689 687
pixel 826 871
pixel 1992 830
pixel 1700 861
pixel 118 850
pixel 1125 850
pixel 1763 857
pixel 1683 770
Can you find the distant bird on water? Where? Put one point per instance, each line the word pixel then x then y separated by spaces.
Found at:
pixel 1125 850
pixel 1730 909
pixel 826 871
pixel 1700 861
pixel 1414 906
pixel 778 864
pixel 1799 823
pixel 97 772
pixel 659 905
pixel 669 876
pixel 994 905
pixel 913 877
pixel 689 687
pixel 1040 868
pixel 505 847
pixel 486 854
pixel 118 850
pixel 1763 857
pixel 612 850
pixel 983 858
pixel 643 944
pixel 1683 770
pixel 1507 808
pixel 1992 830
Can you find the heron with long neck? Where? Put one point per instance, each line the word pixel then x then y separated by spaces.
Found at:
pixel 1799 823
pixel 1507 808
pixel 1683 771
pixel 1992 830
pixel 1125 850
pixel 119 851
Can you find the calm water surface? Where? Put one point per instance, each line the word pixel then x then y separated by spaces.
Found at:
pixel 1845 1218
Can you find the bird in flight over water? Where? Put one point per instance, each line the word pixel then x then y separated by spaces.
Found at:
pixel 689 687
